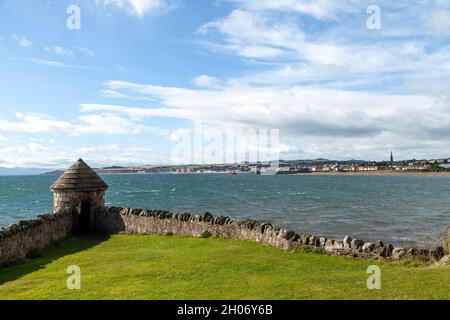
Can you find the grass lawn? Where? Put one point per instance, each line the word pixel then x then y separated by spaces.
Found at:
pixel 163 267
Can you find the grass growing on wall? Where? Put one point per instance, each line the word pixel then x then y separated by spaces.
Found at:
pixel 163 267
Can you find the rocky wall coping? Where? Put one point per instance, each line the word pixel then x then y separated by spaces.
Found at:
pixel 24 225
pixel 347 247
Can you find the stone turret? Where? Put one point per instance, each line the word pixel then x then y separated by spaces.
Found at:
pixel 81 191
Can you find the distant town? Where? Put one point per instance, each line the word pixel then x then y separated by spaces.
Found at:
pixel 288 167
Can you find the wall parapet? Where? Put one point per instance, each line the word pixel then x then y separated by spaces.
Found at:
pixel 17 241
pixel 144 221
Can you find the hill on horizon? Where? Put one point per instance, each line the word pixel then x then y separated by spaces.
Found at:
pixel 22 171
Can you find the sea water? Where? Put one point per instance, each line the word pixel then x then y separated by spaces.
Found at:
pixel 402 210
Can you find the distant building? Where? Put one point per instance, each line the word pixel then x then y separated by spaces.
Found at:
pixel 392 157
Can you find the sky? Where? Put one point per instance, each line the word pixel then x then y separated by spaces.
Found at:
pixel 123 82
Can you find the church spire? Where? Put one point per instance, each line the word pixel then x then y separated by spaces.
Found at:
pixel 392 157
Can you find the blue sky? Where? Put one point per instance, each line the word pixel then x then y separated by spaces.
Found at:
pixel 139 73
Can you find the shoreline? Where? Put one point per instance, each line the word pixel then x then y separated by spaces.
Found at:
pixel 358 173
pixel 380 172
pixel 369 173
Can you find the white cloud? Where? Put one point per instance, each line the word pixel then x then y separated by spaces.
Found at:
pixel 65 52
pixel 22 41
pixel 136 113
pixel 319 9
pixel 86 51
pixel 341 52
pixel 140 8
pixel 52 63
pixel 308 110
pixel 206 81
pixel 252 35
pixel 41 151
pixel 139 149
pixel 112 94
pixel 35 147
pixel 313 121
pixel 61 156
pixel 107 123
pixel 103 123
pixel 70 52
pixel 33 123
pixel 99 149
pixel 333 88
pixel 437 22
pixel 31 147
pixel 257 103
pixel 120 68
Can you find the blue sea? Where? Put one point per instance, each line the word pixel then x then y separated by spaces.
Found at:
pixel 402 210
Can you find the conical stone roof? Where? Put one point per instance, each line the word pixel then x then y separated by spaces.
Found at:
pixel 80 177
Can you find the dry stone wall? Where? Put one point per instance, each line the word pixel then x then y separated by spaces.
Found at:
pixel 20 240
pixel 142 221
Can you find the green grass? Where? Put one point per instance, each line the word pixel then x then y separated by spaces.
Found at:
pixel 162 267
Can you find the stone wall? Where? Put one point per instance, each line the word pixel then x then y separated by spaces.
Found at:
pixel 19 240
pixel 142 221
pixel 71 200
